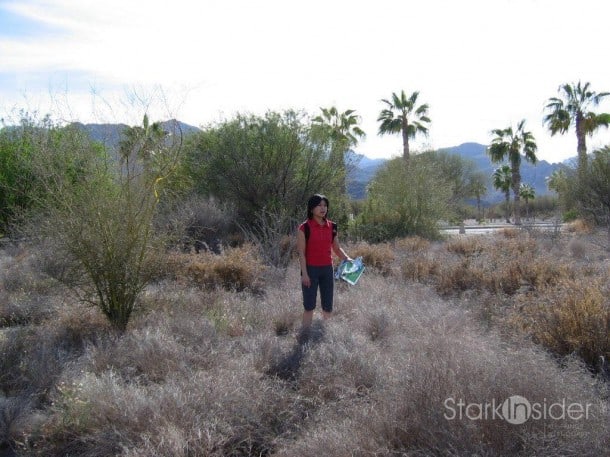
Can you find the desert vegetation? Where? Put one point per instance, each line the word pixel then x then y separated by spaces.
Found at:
pixel 211 362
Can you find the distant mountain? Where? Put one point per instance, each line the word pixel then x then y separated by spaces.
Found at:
pixel 110 134
pixel 364 170
pixel 535 175
pixel 361 170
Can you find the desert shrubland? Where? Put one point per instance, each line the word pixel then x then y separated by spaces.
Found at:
pixel 418 358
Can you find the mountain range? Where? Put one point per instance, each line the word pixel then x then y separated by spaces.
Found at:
pixel 364 168
pixel 535 175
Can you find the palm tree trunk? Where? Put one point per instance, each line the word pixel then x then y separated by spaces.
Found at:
pixel 581 145
pixel 507 205
pixel 516 183
pixel 405 142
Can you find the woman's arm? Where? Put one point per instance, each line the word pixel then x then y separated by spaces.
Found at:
pixel 339 252
pixel 301 246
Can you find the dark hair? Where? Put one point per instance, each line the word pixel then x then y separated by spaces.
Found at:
pixel 314 201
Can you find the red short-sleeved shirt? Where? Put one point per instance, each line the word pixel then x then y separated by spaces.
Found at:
pixel 319 244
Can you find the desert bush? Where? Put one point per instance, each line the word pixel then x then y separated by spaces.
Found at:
pixel 34 356
pixel 579 226
pixel 509 232
pixel 18 419
pixel 577 248
pixel 466 246
pixel 336 367
pixel 190 414
pixel 379 257
pixel 198 223
pixel 572 317
pixel 235 269
pixel 272 232
pixel 412 244
pixel 420 267
pixel 101 224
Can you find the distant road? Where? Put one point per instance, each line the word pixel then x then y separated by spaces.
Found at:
pixel 486 229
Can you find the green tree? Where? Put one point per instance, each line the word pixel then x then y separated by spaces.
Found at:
pixel 266 163
pixel 527 193
pixel 573 108
pixel 102 223
pixel 403 115
pixel 17 147
pixel 502 181
pixel 595 195
pixel 512 145
pixel 404 200
pixel 22 185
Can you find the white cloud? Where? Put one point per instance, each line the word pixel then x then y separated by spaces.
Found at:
pixel 479 64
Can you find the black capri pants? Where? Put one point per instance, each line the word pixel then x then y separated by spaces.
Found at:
pixel 321 277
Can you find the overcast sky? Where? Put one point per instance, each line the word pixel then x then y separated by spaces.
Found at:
pixel 479 64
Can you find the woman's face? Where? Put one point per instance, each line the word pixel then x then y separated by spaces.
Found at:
pixel 320 210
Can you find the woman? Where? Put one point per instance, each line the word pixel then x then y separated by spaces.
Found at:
pixel 316 240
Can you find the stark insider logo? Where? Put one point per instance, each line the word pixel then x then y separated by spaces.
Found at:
pixel 515 410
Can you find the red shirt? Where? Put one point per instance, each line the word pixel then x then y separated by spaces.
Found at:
pixel 319 245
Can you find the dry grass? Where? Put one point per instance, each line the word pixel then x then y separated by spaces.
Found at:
pixel 379 257
pixel 237 269
pixel 224 371
pixel 573 317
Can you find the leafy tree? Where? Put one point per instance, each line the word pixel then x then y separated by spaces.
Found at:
pixel 573 108
pixel 403 115
pixel 513 145
pixel 595 194
pixel 454 169
pixel 563 181
pixel 17 146
pixel 263 164
pixel 22 185
pixel 404 200
pixel 527 193
pixel 343 131
pixel 502 181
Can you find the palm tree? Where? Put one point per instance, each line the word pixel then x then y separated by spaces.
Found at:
pixel 501 180
pixel 343 130
pixel 573 108
pixel 477 184
pixel 402 115
pixel 343 127
pixel 512 145
pixel 556 181
pixel 527 193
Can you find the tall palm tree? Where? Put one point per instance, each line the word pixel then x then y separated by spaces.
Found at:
pixel 501 180
pixel 344 131
pixel 402 115
pixel 512 145
pixel 573 107
pixel 343 127
pixel 527 193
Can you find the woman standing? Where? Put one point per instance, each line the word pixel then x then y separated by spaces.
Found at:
pixel 316 240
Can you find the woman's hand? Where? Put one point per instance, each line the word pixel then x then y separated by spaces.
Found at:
pixel 305 280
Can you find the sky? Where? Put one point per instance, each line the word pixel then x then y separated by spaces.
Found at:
pixel 479 64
